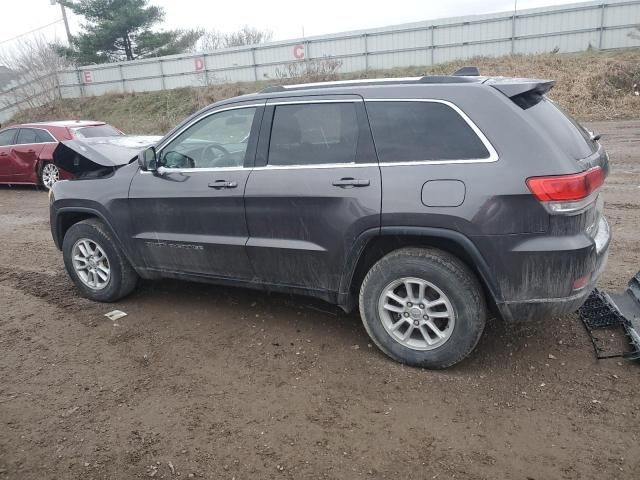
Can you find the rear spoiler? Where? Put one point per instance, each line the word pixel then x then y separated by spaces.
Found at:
pixel 525 92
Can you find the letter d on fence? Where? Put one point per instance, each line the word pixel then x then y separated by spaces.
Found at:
pixel 199 64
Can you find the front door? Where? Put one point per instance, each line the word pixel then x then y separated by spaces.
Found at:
pixel 188 217
pixel 316 188
pixel 7 139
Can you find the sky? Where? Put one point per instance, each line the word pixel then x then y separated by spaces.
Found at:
pixel 286 19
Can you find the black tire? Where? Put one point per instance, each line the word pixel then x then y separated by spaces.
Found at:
pixel 453 278
pixel 44 183
pixel 123 277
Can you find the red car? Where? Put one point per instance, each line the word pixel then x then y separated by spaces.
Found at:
pixel 26 150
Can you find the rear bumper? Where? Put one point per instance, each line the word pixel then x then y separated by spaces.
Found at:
pixel 551 306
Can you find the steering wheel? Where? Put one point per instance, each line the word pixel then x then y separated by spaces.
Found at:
pixel 215 146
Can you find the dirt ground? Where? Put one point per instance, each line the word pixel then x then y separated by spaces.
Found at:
pixel 221 383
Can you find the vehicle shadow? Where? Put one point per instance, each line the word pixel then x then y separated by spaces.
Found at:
pixel 502 345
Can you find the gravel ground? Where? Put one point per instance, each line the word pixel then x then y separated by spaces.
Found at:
pixel 224 383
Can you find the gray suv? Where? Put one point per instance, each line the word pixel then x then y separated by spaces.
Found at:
pixel 428 203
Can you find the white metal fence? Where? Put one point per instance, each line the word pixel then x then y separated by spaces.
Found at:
pixel 568 28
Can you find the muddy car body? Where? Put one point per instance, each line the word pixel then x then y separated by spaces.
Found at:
pixel 427 202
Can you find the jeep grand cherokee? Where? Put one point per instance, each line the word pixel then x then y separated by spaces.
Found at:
pixel 426 202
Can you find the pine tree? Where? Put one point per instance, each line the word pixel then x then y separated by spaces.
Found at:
pixel 116 30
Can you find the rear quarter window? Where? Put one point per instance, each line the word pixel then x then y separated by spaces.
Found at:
pixel 565 132
pixel 413 131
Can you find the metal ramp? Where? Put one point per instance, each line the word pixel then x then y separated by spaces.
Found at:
pixel 609 310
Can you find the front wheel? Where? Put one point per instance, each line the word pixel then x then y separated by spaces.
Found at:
pixel 95 263
pixel 423 307
pixel 49 174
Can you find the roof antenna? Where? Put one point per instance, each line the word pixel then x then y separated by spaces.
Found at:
pixel 467 72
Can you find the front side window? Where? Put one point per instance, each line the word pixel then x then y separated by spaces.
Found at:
pixel 6 137
pixel 314 133
pixel 217 141
pixel 417 131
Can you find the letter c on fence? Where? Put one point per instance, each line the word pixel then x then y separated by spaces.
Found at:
pixel 87 77
pixel 199 64
pixel 298 52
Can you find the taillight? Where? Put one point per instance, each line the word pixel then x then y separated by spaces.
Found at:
pixel 567 193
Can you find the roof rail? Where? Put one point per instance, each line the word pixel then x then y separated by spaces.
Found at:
pixel 428 79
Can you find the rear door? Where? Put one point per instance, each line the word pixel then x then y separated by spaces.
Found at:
pixel 26 152
pixel 316 187
pixel 189 216
pixel 7 139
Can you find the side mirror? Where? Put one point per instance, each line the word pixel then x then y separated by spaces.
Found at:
pixel 147 160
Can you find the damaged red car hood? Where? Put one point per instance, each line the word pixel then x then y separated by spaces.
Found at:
pixel 91 154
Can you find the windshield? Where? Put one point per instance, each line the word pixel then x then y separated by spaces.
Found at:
pixel 96 131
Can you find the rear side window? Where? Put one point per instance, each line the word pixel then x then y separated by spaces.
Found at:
pixel 32 135
pixel 96 131
pixel 567 134
pixel 313 133
pixel 414 131
pixel 6 137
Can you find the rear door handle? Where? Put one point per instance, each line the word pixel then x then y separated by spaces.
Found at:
pixel 351 182
pixel 4 154
pixel 218 184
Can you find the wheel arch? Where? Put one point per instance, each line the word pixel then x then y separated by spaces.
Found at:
pixel 372 245
pixel 66 217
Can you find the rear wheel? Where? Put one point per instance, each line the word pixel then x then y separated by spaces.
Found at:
pixel 49 174
pixel 423 307
pixel 96 264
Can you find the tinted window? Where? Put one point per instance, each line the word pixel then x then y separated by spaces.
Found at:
pixel 26 136
pixel 6 137
pixel 42 136
pixel 314 133
pixel 414 131
pixel 566 133
pixel 96 131
pixel 219 140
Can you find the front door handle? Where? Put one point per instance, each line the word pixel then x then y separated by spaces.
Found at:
pixel 351 182
pixel 218 184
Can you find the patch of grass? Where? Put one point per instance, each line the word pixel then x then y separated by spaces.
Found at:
pixel 590 85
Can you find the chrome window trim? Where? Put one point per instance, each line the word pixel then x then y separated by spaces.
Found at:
pixel 302 102
pixel 493 154
pixel 36 143
pixel 162 170
pixel 30 128
pixel 160 146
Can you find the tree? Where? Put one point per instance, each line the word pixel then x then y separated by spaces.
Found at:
pixel 34 64
pixel 213 40
pixel 118 30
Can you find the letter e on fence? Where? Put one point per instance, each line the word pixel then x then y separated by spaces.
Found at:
pixel 87 77
pixel 198 64
pixel 298 52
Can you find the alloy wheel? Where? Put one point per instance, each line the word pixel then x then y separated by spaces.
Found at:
pixel 416 313
pixel 91 264
pixel 50 175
